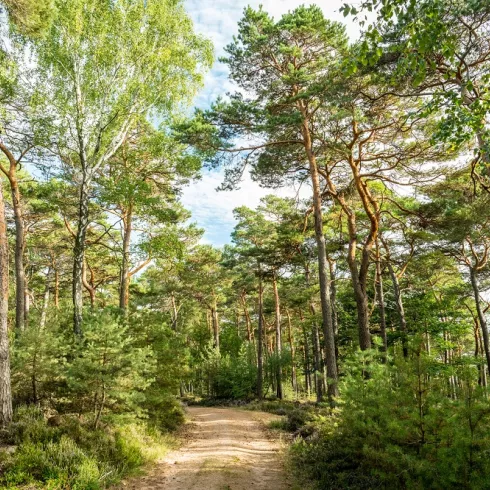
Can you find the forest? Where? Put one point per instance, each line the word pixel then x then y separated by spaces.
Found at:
pixel 356 312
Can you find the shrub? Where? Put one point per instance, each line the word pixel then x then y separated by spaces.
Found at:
pixel 401 426
pixel 74 455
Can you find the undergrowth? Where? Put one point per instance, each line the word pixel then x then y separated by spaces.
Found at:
pixel 66 453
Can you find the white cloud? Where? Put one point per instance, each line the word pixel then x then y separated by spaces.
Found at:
pixel 218 20
pixel 213 210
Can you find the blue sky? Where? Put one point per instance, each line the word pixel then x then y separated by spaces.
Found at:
pixel 217 20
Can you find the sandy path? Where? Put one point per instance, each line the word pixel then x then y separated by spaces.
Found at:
pixel 227 450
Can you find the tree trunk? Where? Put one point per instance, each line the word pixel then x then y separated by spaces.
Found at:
pixel 400 309
pixel 215 322
pixel 260 361
pixel 481 315
pixel 277 306
pixel 306 352
pixel 247 317
pixel 333 301
pixel 5 388
pixel 331 361
pixel 294 379
pixel 20 278
pixel 56 289
pixel 125 277
pixel 175 313
pixel 358 283
pixel 79 254
pixel 318 362
pixel 381 301
pixel 44 311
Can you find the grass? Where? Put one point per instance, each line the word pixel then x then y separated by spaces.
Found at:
pixel 72 455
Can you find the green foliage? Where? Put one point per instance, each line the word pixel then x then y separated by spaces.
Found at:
pixel 31 17
pixel 405 425
pixel 231 377
pixel 73 455
pixel 107 369
pixel 38 364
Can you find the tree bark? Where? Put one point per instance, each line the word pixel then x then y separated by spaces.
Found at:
pixel 317 357
pixel 333 301
pixel 260 361
pixel 248 323
pixel 306 353
pixel 215 323
pixel 56 289
pixel 399 308
pixel 175 312
pixel 79 254
pixel 277 306
pixel 294 379
pixel 125 275
pixel 381 301
pixel 481 315
pixel 329 335
pixel 359 283
pixel 5 387
pixel 20 278
pixel 44 311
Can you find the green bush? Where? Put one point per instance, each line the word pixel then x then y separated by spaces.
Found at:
pixel 229 377
pixel 400 426
pixel 73 455
pixel 164 411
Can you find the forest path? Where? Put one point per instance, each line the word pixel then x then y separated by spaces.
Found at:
pixel 228 449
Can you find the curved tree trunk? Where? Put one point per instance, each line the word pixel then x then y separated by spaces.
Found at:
pixel 20 279
pixel 5 388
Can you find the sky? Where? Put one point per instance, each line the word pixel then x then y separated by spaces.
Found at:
pixel 218 20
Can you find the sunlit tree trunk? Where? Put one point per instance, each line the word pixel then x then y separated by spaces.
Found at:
pixel 328 330
pixel 20 279
pixel 127 221
pixel 79 253
pixel 5 387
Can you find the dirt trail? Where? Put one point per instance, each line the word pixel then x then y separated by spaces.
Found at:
pixel 228 450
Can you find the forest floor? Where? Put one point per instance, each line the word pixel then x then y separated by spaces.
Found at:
pixel 224 449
